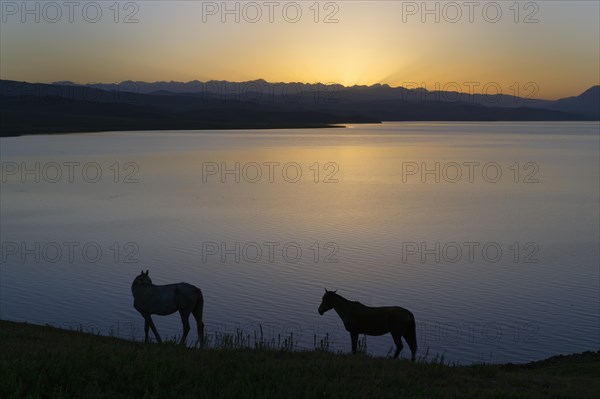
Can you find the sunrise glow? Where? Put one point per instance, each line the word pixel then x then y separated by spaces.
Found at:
pixel 352 43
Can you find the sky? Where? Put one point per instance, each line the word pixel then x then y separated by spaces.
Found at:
pixel 542 49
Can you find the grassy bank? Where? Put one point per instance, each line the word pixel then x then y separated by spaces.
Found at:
pixel 38 361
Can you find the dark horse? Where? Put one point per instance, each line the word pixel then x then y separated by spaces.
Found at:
pixel 361 319
pixel 149 299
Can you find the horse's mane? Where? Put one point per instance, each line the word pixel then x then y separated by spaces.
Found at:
pixel 347 300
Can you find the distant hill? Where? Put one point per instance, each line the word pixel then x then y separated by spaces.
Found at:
pixel 67 107
pixel 587 103
pixel 27 108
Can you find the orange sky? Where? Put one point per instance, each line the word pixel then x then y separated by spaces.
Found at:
pixel 541 49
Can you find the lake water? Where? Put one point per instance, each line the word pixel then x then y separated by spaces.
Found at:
pixel 487 232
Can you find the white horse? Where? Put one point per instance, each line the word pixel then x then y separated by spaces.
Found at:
pixel 149 299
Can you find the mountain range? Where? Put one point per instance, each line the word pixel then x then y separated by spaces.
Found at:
pixel 27 108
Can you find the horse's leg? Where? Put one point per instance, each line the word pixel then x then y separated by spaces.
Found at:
pixel 199 324
pixel 398 341
pixel 185 319
pixel 354 337
pixel 153 327
pixel 411 340
pixel 146 328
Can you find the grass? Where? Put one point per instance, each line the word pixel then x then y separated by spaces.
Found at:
pixel 40 362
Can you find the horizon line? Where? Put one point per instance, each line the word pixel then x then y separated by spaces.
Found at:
pixel 59 82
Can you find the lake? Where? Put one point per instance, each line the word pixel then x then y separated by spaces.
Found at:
pixel 487 232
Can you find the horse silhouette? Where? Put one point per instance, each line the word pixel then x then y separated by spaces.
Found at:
pixel 149 299
pixel 361 319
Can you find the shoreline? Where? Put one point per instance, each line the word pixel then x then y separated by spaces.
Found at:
pixel 269 127
pixel 242 127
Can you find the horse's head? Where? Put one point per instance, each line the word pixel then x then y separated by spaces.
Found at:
pixel 142 279
pixel 327 301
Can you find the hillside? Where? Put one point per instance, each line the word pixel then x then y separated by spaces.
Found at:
pixel 38 361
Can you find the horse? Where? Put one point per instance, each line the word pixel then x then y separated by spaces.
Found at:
pixel 149 299
pixel 361 319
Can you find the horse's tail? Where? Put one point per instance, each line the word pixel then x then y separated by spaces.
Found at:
pixel 411 336
pixel 198 311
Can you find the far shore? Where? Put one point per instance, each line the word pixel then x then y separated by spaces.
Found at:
pixel 61 131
